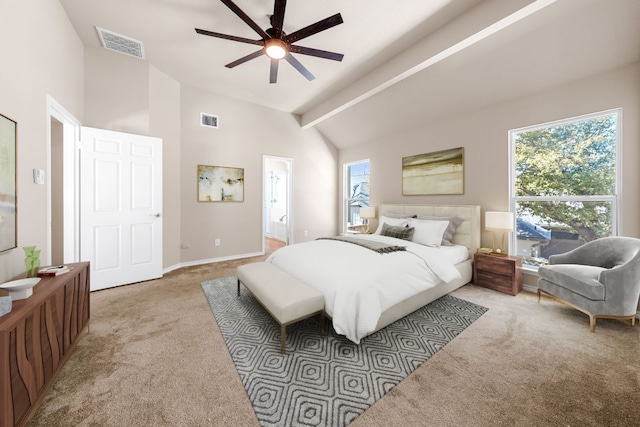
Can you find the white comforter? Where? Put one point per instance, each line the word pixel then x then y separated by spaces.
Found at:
pixel 358 283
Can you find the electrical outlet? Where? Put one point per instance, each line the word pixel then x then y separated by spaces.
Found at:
pixel 217 242
pixel 306 233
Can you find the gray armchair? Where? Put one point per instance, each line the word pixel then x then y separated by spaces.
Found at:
pixel 600 278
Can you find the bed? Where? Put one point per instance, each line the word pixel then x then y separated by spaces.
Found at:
pixel 365 290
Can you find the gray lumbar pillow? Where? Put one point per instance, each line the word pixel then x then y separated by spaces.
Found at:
pixel 398 215
pixel 405 233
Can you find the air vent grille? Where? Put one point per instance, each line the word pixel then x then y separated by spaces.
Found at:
pixel 120 43
pixel 209 120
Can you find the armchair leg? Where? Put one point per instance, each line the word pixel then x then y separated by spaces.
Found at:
pixel 592 323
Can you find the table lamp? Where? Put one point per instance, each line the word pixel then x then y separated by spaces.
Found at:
pixel 367 213
pixel 499 222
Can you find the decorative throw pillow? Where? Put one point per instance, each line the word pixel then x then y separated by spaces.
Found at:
pixel 396 222
pixel 454 223
pixel 428 233
pixel 405 233
pixel 398 215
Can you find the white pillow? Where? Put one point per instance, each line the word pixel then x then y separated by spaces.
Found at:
pixel 428 232
pixel 396 222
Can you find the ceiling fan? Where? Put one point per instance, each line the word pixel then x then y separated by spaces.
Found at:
pixel 276 44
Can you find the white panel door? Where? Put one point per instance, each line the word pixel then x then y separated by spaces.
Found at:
pixel 120 211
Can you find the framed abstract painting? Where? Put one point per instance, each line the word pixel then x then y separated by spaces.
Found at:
pixel 8 207
pixel 440 172
pixel 220 184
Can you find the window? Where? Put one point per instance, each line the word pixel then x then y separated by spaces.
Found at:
pixel 565 181
pixel 356 182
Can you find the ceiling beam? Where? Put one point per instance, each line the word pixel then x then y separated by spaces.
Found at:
pixel 486 19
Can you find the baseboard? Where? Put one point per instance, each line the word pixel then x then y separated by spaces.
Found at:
pixel 210 261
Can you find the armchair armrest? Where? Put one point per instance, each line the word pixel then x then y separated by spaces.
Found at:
pixel 629 271
pixel 575 256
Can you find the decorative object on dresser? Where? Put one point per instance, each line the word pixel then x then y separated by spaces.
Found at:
pixel 20 288
pixel 31 260
pixel 501 222
pixel 5 305
pixel 54 270
pixel 500 273
pixel 37 338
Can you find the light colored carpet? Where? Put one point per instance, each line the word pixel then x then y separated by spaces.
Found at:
pixel 155 356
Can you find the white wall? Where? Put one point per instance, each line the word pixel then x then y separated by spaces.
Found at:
pixel 127 94
pixel 41 54
pixel 484 136
pixel 246 133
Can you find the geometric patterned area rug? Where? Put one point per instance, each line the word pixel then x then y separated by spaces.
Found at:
pixel 326 380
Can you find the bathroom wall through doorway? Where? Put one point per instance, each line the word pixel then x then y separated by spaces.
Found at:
pixel 277 202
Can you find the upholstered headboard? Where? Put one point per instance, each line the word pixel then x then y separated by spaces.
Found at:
pixel 467 234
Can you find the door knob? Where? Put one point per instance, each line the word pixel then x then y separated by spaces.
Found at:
pixel 157 215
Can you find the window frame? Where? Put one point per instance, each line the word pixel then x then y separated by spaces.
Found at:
pixel 347 199
pixel 614 199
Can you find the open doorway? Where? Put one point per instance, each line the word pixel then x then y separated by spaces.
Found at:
pixel 62 185
pixel 277 202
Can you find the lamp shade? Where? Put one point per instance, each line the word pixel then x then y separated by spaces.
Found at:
pixel 368 212
pixel 498 221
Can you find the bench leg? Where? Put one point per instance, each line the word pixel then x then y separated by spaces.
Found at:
pixel 238 287
pixel 323 326
pixel 283 339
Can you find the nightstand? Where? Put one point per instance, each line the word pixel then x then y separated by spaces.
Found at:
pixel 500 273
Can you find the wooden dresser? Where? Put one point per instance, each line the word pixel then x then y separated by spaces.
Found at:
pixel 36 339
pixel 500 273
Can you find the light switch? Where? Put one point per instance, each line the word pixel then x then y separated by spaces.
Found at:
pixel 38 176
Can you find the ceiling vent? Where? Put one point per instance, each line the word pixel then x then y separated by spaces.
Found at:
pixel 209 120
pixel 120 43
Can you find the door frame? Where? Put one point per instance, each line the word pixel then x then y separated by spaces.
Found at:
pixel 71 181
pixel 290 213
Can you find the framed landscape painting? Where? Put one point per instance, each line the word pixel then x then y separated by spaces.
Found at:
pixel 220 184
pixel 440 172
pixel 8 229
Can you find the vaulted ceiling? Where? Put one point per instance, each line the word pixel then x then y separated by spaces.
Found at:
pixel 405 62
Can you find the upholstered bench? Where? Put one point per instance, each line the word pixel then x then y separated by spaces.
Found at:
pixel 287 299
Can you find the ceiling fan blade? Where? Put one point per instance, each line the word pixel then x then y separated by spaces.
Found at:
pixel 228 37
pixel 273 73
pixel 244 59
pixel 277 20
pixel 316 52
pixel 312 29
pixel 231 5
pixel 298 66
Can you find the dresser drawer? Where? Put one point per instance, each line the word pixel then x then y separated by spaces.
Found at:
pixel 496 265
pixel 495 281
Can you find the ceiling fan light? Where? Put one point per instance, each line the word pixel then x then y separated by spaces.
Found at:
pixel 275 49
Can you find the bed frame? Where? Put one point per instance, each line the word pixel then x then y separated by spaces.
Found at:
pixel 467 234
